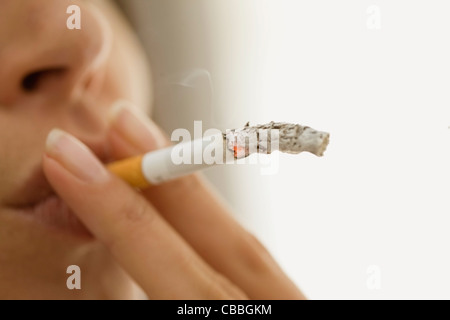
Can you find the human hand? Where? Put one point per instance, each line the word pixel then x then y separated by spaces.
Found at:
pixel 177 240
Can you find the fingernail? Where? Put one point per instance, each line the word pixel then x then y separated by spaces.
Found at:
pixel 75 157
pixel 135 127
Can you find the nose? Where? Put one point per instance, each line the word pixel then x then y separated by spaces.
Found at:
pixel 44 60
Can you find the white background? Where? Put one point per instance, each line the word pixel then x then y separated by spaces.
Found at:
pixel 379 196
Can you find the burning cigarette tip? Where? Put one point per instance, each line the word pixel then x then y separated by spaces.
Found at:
pixel 276 136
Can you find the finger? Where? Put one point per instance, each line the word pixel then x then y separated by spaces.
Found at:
pixel 144 244
pixel 191 206
pixel 138 137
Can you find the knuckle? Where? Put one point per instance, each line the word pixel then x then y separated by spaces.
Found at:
pixel 230 290
pixel 253 255
pixel 134 210
pixel 133 218
pixel 214 291
pixel 187 263
pixel 215 285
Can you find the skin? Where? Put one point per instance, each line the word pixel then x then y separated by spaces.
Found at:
pixel 174 241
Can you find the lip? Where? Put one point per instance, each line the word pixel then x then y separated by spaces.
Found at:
pixel 52 211
pixel 37 200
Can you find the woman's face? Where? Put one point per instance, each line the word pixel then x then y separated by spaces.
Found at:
pixel 51 76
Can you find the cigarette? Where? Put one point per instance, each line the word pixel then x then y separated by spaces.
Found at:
pixel 184 158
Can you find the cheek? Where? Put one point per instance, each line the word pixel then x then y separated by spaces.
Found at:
pixel 9 153
pixel 21 146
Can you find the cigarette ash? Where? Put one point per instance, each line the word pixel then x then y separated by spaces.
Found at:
pixel 281 136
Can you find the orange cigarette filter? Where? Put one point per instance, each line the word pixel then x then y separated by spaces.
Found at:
pixel 130 170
